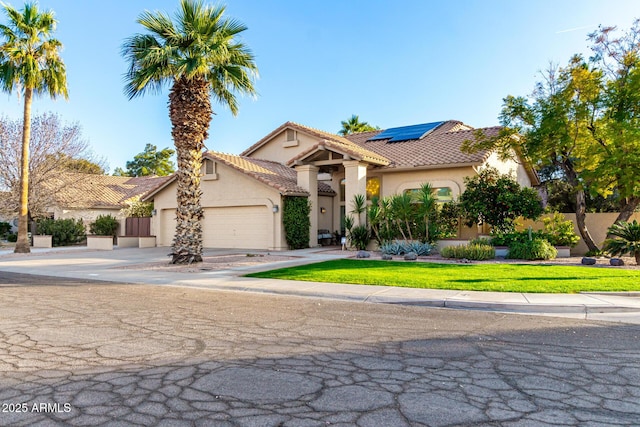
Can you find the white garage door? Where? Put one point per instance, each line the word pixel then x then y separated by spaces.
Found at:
pixel 245 227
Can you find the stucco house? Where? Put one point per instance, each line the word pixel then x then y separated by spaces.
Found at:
pixel 86 196
pixel 243 194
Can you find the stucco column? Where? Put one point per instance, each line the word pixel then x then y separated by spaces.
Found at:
pixel 355 174
pixel 308 179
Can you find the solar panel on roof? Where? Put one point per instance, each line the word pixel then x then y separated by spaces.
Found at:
pixel 406 133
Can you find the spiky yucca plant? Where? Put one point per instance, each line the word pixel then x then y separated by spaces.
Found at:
pixel 199 55
pixel 627 239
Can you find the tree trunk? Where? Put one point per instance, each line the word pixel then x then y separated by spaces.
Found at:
pixel 190 113
pixel 22 244
pixel 581 216
pixel 625 213
pixel 581 207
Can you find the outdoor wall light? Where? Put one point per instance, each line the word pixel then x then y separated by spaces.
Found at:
pixel 154 212
pixel 275 208
pixel 323 210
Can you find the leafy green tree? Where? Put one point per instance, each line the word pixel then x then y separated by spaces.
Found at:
pixel 498 200
pixel 615 129
pixel 30 62
pixel 354 125
pixel 584 121
pixel 79 164
pixel 199 55
pixel 149 162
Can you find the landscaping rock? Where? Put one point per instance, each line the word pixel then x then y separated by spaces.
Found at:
pixel 363 254
pixel 617 262
pixel 464 261
pixel 386 257
pixel 588 261
pixel 411 256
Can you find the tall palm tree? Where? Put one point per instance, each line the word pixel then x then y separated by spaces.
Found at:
pixel 354 125
pixel 199 56
pixel 30 62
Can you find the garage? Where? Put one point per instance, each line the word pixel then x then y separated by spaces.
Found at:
pixel 243 227
pixel 238 227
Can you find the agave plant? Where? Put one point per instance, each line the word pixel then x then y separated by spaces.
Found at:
pixel 627 239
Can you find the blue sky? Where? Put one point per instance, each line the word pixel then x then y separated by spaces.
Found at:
pixel 393 63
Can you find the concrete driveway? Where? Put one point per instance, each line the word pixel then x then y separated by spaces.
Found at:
pixel 75 352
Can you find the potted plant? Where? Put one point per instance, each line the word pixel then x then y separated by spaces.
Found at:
pixel 559 232
pixel 103 230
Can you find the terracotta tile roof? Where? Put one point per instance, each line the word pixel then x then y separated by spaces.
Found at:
pixel 329 140
pixel 441 147
pixel 274 174
pixel 101 191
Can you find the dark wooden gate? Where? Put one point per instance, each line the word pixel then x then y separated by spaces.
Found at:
pixel 139 227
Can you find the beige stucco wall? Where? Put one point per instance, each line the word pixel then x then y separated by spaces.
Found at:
pixel 231 189
pixel 89 215
pixel 597 224
pixel 510 167
pixel 397 182
pixel 278 149
pixel 325 220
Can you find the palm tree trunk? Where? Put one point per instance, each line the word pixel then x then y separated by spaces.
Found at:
pixel 22 244
pixel 190 113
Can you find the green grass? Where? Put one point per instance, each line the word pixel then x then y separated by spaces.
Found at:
pixel 474 277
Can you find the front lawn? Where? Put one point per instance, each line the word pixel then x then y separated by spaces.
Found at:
pixel 474 277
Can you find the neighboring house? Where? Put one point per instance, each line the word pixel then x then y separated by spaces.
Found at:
pixel 242 195
pixel 86 196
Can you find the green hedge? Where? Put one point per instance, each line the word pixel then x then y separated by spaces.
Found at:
pixel 535 249
pixel 64 232
pixel 474 251
pixel 104 225
pixel 295 217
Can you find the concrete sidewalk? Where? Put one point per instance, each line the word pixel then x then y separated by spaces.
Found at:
pixel 119 266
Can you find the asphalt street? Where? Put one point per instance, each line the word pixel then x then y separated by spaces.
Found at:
pixel 78 352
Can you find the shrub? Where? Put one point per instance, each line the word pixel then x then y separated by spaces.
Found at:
pixel 5 228
pixel 12 238
pixel 481 241
pixel 422 249
pixel 498 200
pixel 448 219
pixel 508 239
pixel 401 247
pixel 627 239
pixel 534 249
pixel 474 251
pixel 559 232
pixel 295 218
pixel 104 225
pixel 64 232
pixel 360 237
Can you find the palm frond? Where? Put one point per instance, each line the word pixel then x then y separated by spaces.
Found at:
pixel 200 43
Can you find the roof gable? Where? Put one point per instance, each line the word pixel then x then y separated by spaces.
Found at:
pixel 273 174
